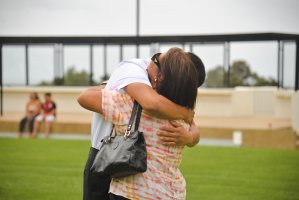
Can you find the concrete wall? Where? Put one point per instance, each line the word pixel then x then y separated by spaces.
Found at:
pixel 295 113
pixel 214 102
pixel 237 102
pixel 15 98
pixel 249 102
pixel 245 102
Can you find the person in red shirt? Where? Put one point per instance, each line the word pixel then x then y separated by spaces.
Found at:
pixel 48 115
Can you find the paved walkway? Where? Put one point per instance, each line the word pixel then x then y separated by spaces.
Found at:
pixel 51 136
pixel 203 142
pixel 214 122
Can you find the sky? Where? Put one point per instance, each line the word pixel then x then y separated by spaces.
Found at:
pixel 157 17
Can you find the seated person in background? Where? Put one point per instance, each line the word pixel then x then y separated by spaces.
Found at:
pixel 33 108
pixel 48 115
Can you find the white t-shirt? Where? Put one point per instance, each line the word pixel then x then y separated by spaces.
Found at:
pixel 127 72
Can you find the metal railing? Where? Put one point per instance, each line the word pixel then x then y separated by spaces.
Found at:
pixel 121 41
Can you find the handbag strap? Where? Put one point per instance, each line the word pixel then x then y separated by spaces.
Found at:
pixel 135 116
pixel 138 116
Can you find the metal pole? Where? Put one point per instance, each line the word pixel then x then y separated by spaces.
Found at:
pixel 137 26
pixel 27 64
pixel 105 62
pixel 121 55
pixel 62 61
pixel 226 64
pixel 282 63
pixel 91 64
pixel 55 61
pixel 297 67
pixel 191 48
pixel 279 65
pixel 1 82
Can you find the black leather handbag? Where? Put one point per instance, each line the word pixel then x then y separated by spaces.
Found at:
pixel 123 155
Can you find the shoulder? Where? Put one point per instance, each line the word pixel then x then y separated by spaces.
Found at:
pixel 127 72
pixel 116 106
pixel 116 100
pixel 142 63
pixel 133 65
pixel 115 96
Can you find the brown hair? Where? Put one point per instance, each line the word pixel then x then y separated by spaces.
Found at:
pixel 35 95
pixel 179 78
pixel 48 94
pixel 199 66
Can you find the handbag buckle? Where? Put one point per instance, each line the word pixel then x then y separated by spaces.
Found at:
pixel 107 140
pixel 127 134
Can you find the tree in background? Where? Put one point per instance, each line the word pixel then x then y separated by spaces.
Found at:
pixel 240 75
pixel 72 77
pixel 215 77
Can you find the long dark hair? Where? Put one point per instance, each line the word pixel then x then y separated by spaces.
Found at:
pixel 179 78
pixel 36 97
pixel 199 66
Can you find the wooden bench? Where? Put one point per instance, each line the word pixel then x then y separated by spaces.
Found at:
pixel 64 123
pixel 256 132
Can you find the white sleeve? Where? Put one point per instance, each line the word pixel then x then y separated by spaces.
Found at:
pixel 127 73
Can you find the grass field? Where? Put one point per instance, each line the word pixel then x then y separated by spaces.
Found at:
pixel 52 169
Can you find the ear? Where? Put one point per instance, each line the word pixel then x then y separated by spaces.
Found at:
pixel 155 83
pixel 160 77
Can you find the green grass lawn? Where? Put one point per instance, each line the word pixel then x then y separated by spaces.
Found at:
pixel 52 169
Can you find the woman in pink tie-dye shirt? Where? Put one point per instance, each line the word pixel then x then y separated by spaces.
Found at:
pixel 176 79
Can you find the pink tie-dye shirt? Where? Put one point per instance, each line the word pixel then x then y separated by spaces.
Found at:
pixel 163 179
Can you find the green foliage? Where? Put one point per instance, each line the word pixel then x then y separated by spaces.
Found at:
pixel 53 169
pixel 240 75
pixel 58 81
pixel 72 77
pixel 215 77
pixel 239 72
pixel 45 83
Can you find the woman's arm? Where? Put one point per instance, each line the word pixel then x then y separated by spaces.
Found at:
pixel 91 99
pixel 156 104
pixel 52 112
pixel 39 107
pixel 149 99
pixel 27 113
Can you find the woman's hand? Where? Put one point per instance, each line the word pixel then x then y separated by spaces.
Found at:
pixel 177 135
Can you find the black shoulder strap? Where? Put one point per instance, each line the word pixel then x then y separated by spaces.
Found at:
pixel 138 116
pixel 136 112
